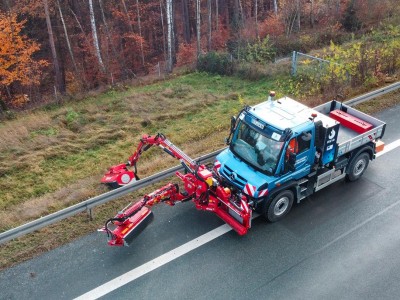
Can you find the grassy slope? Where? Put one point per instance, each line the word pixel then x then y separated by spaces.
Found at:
pixel 56 156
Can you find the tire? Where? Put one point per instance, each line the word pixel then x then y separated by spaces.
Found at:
pixel 280 206
pixel 357 167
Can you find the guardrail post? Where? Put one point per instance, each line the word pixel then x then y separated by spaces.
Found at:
pixel 90 213
pixel 294 64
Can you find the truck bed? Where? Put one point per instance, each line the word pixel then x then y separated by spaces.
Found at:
pixel 349 139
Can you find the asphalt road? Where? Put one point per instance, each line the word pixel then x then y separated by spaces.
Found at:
pixel 341 243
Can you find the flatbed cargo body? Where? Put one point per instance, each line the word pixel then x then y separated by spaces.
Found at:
pixel 349 139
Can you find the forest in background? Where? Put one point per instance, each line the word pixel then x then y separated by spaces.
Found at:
pixel 51 48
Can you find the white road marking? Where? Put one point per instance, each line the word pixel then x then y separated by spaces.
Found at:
pixel 151 265
pixel 155 263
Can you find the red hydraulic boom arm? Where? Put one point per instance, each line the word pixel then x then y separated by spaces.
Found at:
pixel 120 175
pixel 203 186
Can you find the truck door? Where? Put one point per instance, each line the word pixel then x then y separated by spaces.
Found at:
pixel 301 146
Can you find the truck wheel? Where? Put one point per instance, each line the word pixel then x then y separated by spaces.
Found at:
pixel 357 167
pixel 279 206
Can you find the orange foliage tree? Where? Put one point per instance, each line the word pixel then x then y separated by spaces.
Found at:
pixel 186 54
pixel 18 69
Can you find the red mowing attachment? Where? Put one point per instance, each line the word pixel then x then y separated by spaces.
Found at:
pixel 350 121
pixel 203 186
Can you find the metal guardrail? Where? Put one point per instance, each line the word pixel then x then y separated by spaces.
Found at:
pixel 373 94
pixel 87 205
pixel 106 197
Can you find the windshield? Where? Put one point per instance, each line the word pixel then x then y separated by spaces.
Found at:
pixel 257 149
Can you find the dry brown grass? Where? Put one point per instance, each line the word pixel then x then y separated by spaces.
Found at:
pixel 29 165
pixel 14 215
pixel 380 103
pixel 15 133
pixel 40 206
pixel 29 156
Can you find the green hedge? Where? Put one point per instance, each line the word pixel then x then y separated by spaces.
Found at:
pixel 215 63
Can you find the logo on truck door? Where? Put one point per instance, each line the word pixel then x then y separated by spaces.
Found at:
pixel 332 134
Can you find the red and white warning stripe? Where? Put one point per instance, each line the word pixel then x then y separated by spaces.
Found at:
pixel 262 193
pixel 249 189
pixel 217 165
pixel 244 206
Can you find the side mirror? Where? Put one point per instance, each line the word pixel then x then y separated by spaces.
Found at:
pixel 306 136
pixel 233 123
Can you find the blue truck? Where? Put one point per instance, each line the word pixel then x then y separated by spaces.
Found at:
pixel 281 151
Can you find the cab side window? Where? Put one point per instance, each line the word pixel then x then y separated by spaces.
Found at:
pixel 292 148
pixel 304 141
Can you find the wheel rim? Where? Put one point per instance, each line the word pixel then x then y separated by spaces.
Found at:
pixel 359 167
pixel 281 206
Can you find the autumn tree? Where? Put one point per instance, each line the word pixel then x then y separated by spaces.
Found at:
pixel 60 84
pixel 95 37
pixel 350 20
pixel 209 24
pixel 186 21
pixel 290 13
pixel 198 31
pixel 18 68
pixel 170 36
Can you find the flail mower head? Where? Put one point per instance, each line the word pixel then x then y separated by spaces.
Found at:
pixel 126 226
pixel 118 176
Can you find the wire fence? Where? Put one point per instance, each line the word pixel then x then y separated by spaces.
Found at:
pixel 308 65
pixel 159 69
pixel 304 64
